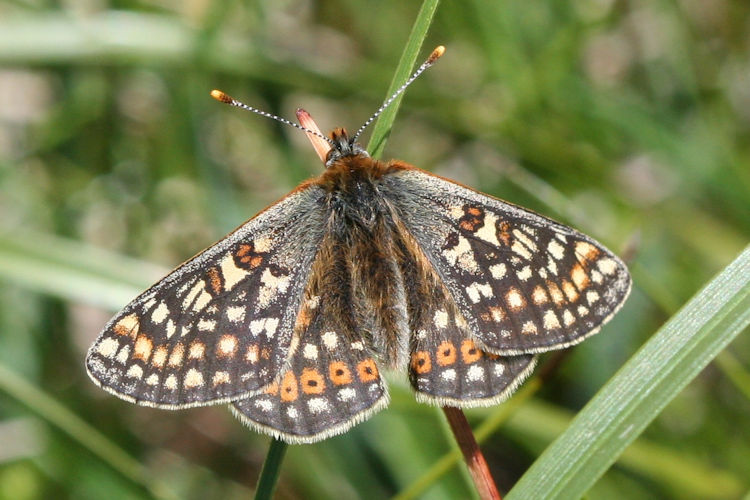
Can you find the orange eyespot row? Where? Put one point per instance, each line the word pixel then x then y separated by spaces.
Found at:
pixel 469 352
pixel 289 391
pixel 446 353
pixel 312 381
pixel 272 389
pixel 367 370
pixel 421 362
pixel 339 373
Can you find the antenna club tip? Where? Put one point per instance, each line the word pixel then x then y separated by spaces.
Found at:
pixel 221 96
pixel 437 53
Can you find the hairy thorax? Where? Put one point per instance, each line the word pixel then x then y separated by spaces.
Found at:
pixel 367 266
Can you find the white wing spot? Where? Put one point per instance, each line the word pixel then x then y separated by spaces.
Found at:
pixel 476 290
pixel 607 266
pixel 227 345
pixel 358 345
pixel 317 405
pixel 475 373
pixel 236 314
pixel 550 320
pixel 152 379
pixel 263 244
pixel 568 317
pixel 170 328
pixel 264 405
pixel 193 378
pixel 488 232
pixel 519 249
pixel 586 249
pixel 108 347
pixel 171 383
pixel 551 266
pixel 128 325
pixel 160 313
pixel 252 354
pixel 448 375
pixel 498 271
pixel 191 298
pixel 497 313
pixel 556 249
pixel 592 296
pixel 231 273
pixel 441 318
pixel 515 299
pixel 310 351
pixel 524 273
pixel 462 256
pixel 499 369
pixel 456 211
pixel 539 296
pixel 123 355
pixel 197 349
pixel 330 339
pixel 220 378
pixel 347 394
pixel 524 238
pixel 135 371
pixel 292 412
pixel 272 287
pixel 582 310
pixel 206 325
pixel 528 328
pixel 269 325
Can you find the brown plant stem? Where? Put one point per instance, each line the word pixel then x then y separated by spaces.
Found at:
pixel 480 472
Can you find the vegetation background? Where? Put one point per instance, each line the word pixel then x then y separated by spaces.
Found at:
pixel 629 120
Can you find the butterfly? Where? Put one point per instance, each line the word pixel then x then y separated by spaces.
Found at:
pixel 373 265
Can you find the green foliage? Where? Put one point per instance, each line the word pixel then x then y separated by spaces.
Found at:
pixel 626 120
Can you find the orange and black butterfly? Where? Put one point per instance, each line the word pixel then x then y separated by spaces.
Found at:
pixel 372 265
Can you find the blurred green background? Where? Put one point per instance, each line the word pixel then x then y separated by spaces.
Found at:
pixel 629 120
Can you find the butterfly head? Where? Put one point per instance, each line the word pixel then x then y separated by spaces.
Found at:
pixel 343 146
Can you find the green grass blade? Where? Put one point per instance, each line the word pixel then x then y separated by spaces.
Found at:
pixel 269 474
pixel 642 388
pixel 382 127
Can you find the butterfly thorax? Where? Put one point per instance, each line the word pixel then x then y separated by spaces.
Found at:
pixel 360 265
pixel 351 181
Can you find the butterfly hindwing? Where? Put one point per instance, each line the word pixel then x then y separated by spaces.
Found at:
pixel 332 380
pixel 523 283
pixel 448 368
pixel 219 326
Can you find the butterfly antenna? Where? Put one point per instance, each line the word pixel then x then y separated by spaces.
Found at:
pixel 434 56
pixel 227 99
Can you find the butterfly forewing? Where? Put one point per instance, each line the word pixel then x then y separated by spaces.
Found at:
pixel 523 283
pixel 219 326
